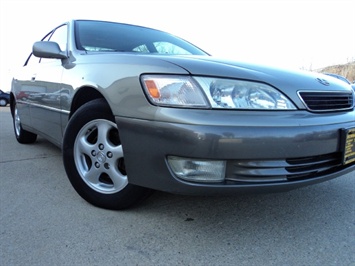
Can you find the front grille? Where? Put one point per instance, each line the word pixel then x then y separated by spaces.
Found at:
pixel 321 101
pixel 265 171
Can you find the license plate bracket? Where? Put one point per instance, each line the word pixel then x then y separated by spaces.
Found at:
pixel 349 146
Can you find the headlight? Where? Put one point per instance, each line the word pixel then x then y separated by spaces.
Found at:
pixel 202 92
pixel 239 94
pixel 178 91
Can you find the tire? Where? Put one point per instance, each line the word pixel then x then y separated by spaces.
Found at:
pixel 22 136
pixel 93 159
pixel 3 102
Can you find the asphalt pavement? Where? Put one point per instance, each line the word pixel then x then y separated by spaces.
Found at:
pixel 43 221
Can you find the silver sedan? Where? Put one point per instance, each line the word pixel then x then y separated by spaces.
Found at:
pixel 136 110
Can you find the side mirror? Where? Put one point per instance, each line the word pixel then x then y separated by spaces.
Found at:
pixel 48 50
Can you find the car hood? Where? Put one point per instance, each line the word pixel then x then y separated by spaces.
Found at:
pixel 284 79
pixel 289 82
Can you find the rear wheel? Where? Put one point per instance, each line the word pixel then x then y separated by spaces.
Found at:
pixel 94 160
pixel 22 136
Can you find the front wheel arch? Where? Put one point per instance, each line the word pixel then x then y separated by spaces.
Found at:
pixel 83 96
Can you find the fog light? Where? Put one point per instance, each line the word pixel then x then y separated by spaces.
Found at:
pixel 197 170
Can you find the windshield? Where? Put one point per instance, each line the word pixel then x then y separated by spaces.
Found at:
pixel 100 36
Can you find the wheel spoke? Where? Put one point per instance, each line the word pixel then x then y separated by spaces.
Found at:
pixel 92 176
pixel 84 146
pixel 117 151
pixel 103 129
pixel 119 180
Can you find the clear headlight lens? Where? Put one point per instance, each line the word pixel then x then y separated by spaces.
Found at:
pixel 203 92
pixel 240 94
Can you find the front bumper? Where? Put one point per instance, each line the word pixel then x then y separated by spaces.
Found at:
pixel 263 154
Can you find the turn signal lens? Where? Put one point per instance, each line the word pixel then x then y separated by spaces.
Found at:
pixel 152 88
